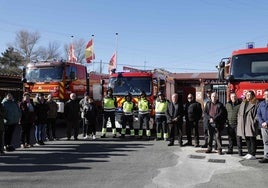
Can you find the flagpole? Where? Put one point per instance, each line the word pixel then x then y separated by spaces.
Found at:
pixel 116 49
pixel 92 52
pixel 71 60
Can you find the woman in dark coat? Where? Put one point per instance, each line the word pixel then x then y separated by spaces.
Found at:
pixel 27 120
pixel 247 125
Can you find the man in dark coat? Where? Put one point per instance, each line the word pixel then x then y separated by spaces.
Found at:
pixel 193 113
pixel 205 121
pixel 174 115
pixel 72 116
pixel 232 108
pixel 215 113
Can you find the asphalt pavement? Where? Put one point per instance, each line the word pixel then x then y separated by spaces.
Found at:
pixel 130 162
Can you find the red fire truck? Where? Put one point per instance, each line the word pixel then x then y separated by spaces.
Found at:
pixel 135 82
pixel 246 69
pixel 58 78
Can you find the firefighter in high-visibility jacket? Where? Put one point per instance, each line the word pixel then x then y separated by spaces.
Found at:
pixel 160 117
pixel 127 108
pixel 109 106
pixel 144 115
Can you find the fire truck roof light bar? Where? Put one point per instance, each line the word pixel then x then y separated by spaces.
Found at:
pixel 250 45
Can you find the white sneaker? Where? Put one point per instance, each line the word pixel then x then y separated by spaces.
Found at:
pixel 85 137
pixel 251 157
pixel 246 156
pixel 36 144
pixel 93 137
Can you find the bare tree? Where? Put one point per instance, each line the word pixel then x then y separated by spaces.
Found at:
pixel 79 48
pixel 51 52
pixel 25 43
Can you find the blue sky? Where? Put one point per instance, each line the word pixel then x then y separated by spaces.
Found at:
pixel 177 35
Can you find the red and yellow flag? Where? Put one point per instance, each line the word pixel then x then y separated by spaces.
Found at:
pixel 89 53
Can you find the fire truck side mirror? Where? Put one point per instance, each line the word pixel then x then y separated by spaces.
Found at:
pixel 24 80
pixel 72 75
pixel 230 78
pixel 222 64
pixel 221 71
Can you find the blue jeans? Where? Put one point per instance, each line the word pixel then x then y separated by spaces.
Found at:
pixel 39 132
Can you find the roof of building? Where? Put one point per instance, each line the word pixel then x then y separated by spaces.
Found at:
pixel 194 76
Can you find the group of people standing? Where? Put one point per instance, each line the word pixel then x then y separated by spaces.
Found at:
pixel 28 113
pixel 41 113
pixel 168 117
pixel 241 118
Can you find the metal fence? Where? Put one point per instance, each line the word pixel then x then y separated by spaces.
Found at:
pixel 221 90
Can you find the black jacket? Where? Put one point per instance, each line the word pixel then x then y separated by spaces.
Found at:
pixel 72 110
pixel 193 111
pixel 174 112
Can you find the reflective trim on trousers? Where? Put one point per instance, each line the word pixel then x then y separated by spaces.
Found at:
pixel 158 135
pixel 132 132
pixel 123 131
pixel 165 135
pixel 114 131
pixel 103 131
pixel 140 132
pixel 148 132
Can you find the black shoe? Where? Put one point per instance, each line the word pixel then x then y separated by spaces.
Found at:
pixel 263 160
pixel 208 151
pixel 220 152
pixel 103 136
pixel 10 148
pixel 75 138
pixel 122 136
pixel 229 152
pixel 114 136
pixel 188 144
pixel 171 144
pixel 204 146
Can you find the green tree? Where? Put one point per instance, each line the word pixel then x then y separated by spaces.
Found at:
pixel 11 60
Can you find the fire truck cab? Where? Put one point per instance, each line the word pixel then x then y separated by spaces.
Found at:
pixel 246 69
pixel 135 82
pixel 58 78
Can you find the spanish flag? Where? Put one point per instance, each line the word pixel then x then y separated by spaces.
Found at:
pixel 89 53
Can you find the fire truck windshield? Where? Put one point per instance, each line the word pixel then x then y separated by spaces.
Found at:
pixel 44 74
pixel 134 85
pixel 251 67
